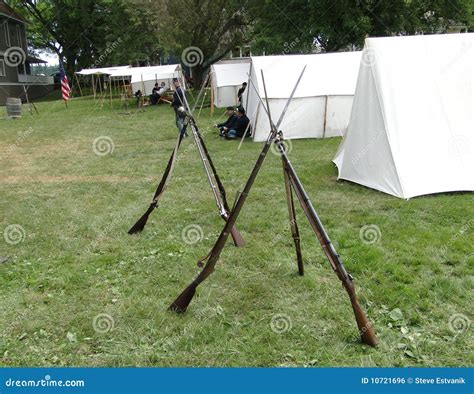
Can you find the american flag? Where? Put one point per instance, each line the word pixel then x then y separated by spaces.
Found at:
pixel 65 89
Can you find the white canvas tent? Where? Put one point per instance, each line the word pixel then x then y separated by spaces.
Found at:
pixel 322 103
pixel 102 71
pixel 411 128
pixel 226 80
pixel 144 78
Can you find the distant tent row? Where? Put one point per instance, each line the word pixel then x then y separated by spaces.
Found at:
pixel 141 78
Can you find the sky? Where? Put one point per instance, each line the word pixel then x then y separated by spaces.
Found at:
pixel 49 57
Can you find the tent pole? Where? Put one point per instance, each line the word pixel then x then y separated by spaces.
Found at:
pixel 93 85
pixel 325 116
pixel 212 99
pixel 248 87
pixel 110 86
pixel 78 84
pixel 100 88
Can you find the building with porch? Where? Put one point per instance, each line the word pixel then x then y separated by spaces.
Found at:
pixel 15 64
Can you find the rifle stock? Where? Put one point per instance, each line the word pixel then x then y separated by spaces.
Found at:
pixel 140 224
pixel 182 301
pixel 365 327
pixel 236 237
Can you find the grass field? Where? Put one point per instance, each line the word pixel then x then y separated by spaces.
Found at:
pixel 77 290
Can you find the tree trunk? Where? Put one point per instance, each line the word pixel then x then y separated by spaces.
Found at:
pixel 198 74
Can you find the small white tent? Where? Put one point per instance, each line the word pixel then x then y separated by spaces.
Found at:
pixel 411 129
pixel 226 79
pixel 322 103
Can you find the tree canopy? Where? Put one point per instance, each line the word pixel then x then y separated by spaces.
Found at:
pixel 88 33
pixel 91 33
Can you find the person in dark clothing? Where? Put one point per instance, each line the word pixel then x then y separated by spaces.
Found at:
pixel 227 125
pixel 178 106
pixel 157 92
pixel 154 96
pixel 241 92
pixel 139 95
pixel 240 126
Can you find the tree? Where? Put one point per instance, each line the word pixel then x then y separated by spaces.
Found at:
pixel 87 33
pixel 201 31
pixel 299 26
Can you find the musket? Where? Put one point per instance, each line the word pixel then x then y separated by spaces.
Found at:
pixel 140 224
pixel 181 303
pixel 364 325
pixel 216 185
pixel 292 216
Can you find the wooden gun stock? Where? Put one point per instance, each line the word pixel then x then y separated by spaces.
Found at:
pixel 236 237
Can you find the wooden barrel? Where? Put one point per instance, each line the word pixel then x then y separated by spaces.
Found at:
pixel 13 107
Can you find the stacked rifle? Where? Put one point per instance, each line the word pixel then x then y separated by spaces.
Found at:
pixel 293 186
pixel 217 187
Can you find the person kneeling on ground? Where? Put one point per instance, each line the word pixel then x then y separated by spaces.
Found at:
pixel 227 125
pixel 240 126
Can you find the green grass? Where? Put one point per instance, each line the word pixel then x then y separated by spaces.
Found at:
pixel 77 261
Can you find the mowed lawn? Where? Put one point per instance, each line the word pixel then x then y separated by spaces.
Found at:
pixel 77 290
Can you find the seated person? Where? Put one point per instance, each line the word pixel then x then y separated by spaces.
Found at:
pixel 154 96
pixel 227 125
pixel 138 95
pixel 161 91
pixel 240 126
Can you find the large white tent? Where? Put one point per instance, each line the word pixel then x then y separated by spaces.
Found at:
pixel 322 103
pixel 411 128
pixel 226 80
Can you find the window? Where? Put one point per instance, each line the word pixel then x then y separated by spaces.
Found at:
pixel 19 37
pixel 7 33
pixel 2 68
pixel 12 36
